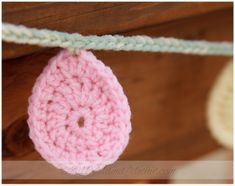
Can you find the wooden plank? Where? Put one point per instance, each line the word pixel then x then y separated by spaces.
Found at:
pixel 158 77
pixel 16 6
pixel 96 18
pixel 167 94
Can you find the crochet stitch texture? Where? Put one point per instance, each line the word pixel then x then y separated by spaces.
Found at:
pixel 220 107
pixel 79 117
pixel 49 38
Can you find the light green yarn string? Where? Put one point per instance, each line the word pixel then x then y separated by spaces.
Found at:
pixel 43 37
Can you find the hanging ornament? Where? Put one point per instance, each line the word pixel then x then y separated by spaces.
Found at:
pixel 220 107
pixel 79 117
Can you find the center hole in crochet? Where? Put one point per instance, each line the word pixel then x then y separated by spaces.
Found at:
pixel 81 121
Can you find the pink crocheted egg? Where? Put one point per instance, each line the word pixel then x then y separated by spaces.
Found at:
pixel 79 117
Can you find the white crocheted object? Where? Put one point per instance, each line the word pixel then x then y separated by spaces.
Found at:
pixel 220 107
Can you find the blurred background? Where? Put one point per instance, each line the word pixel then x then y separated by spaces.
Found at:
pixel 167 93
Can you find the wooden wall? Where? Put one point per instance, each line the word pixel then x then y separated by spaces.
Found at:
pixel 167 92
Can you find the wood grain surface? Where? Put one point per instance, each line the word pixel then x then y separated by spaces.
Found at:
pixel 167 93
